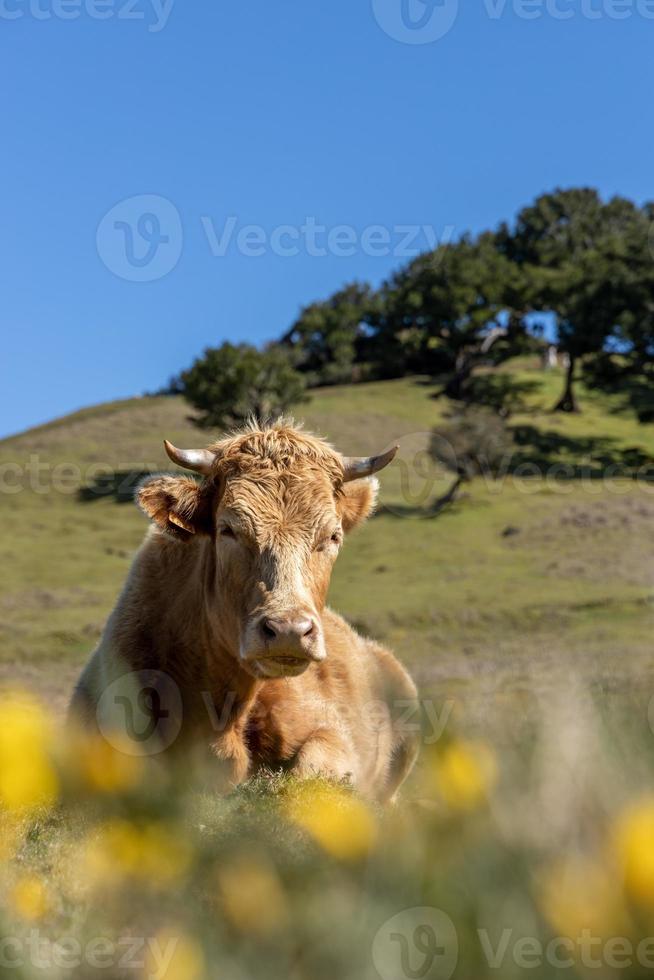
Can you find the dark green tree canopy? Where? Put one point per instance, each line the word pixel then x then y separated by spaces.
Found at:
pixel 577 254
pixel 586 263
pixel 328 336
pixel 449 308
pixel 228 384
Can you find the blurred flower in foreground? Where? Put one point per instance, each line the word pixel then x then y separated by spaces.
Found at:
pixel 463 774
pixel 181 954
pixel 27 777
pixel 28 898
pixel 252 897
pixel 578 894
pixel 101 766
pixel 634 847
pixel 342 824
pixel 151 852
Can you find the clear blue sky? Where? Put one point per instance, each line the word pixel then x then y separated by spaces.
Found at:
pixel 272 112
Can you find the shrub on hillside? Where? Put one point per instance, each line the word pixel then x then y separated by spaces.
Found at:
pixel 476 441
pixel 231 383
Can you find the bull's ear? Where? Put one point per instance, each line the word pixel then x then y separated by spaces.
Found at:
pixel 178 505
pixel 357 501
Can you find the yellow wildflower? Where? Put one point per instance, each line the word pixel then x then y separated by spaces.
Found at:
pixel 174 956
pixel 342 824
pixel 103 767
pixel 252 897
pixel 28 898
pixel 634 847
pixel 578 894
pixel 464 773
pixel 27 777
pixel 152 853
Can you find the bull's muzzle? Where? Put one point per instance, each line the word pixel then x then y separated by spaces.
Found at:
pixel 292 636
pixel 287 644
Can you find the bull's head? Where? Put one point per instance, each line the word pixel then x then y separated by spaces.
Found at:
pixel 272 509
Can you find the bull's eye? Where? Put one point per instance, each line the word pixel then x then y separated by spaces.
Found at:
pixel 333 539
pixel 226 531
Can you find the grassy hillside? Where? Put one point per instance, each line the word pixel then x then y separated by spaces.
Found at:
pixel 523 576
pixel 525 613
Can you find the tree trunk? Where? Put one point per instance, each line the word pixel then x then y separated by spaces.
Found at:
pixel 466 362
pixel 568 402
pixel 454 387
pixel 441 502
pixel 462 370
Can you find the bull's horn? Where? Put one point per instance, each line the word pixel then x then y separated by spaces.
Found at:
pixel 356 467
pixel 200 460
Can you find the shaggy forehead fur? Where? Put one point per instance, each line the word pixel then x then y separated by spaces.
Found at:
pixel 278 479
pixel 280 446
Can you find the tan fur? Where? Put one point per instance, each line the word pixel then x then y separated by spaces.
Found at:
pixel 257 539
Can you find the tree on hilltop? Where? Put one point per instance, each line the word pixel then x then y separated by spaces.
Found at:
pixel 327 337
pixel 571 246
pixel 228 384
pixel 452 309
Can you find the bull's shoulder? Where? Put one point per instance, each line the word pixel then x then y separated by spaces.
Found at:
pixel 393 675
pixel 381 666
pixel 336 627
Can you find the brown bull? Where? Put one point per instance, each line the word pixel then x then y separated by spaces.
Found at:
pixel 226 601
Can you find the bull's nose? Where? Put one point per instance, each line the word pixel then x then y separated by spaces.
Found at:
pixel 291 629
pixel 290 641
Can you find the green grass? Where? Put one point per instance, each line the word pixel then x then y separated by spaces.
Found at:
pixel 524 612
pixel 570 583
